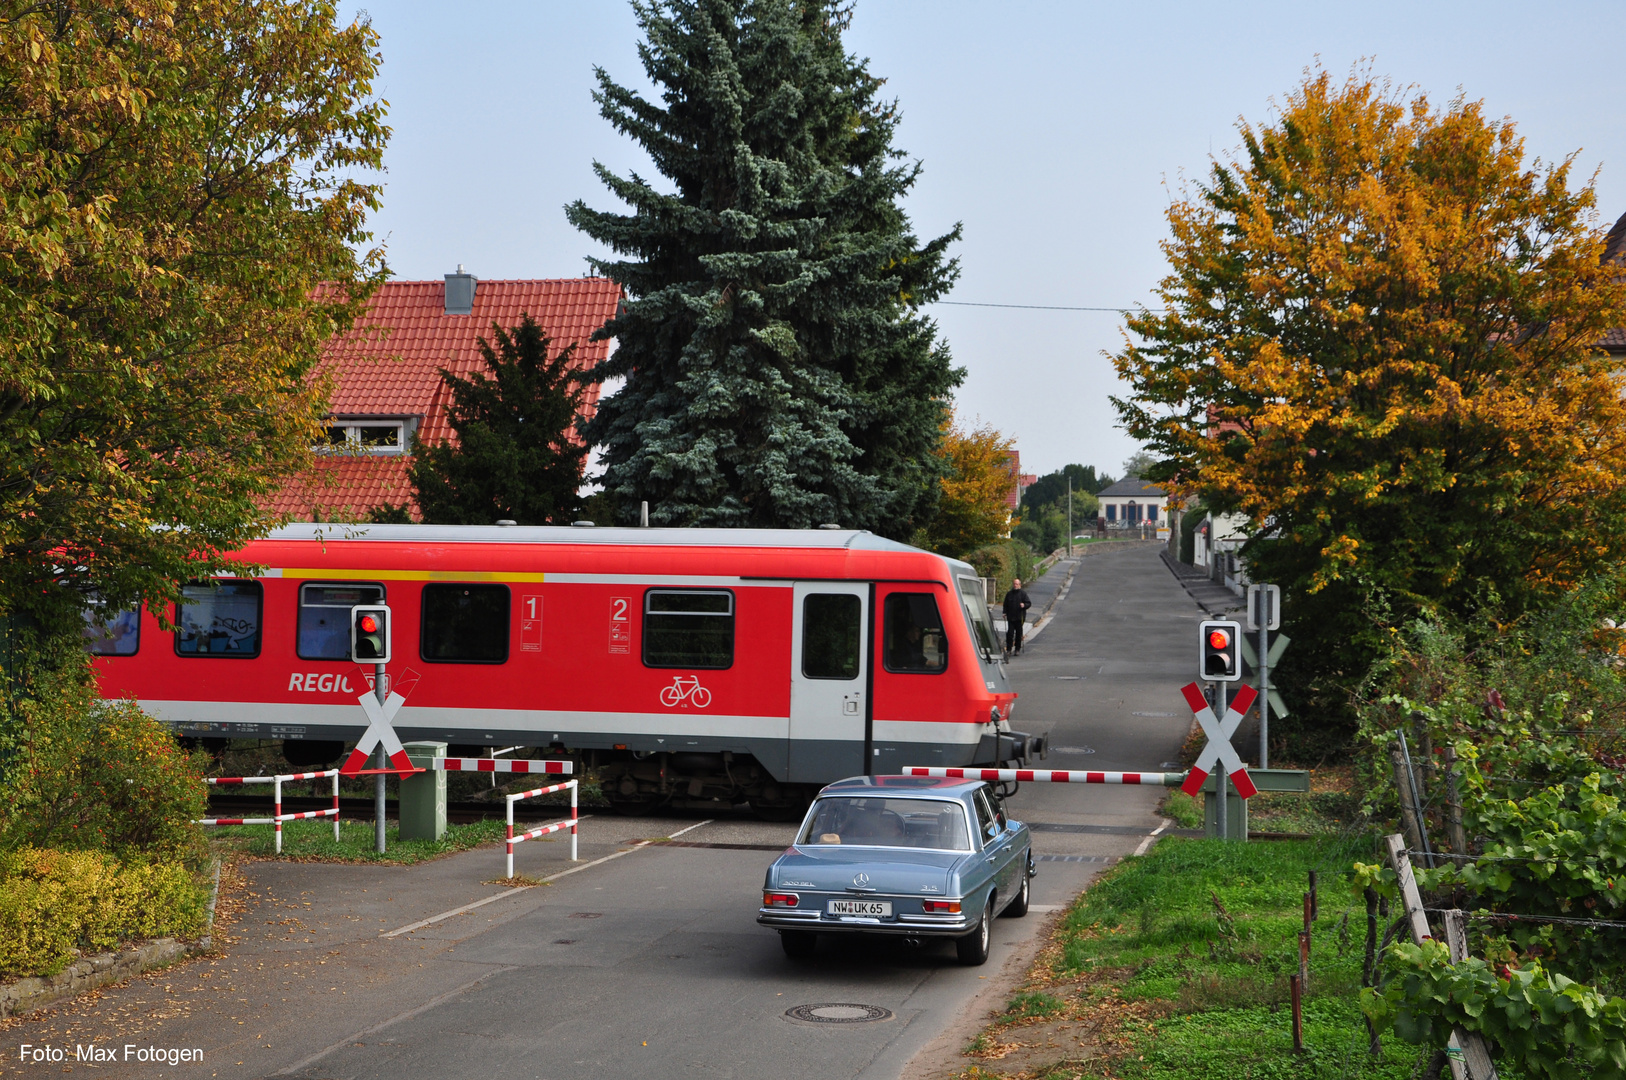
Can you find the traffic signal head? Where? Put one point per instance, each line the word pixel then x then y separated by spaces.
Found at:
pixel 1221 652
pixel 370 634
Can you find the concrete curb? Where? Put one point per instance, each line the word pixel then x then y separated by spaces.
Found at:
pixel 37 991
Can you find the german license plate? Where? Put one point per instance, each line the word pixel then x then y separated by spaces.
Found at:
pixel 874 909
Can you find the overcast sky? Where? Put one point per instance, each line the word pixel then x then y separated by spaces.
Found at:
pixel 1054 131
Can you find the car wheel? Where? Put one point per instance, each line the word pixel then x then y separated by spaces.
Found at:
pixel 1018 906
pixel 798 943
pixel 973 948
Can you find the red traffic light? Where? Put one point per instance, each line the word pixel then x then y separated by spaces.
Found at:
pixel 1218 639
pixel 368 624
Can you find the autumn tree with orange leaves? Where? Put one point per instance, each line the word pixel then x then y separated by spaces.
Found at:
pixel 1379 343
pixel 971 506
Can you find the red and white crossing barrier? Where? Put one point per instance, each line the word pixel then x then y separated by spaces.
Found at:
pixel 540 830
pixel 507 765
pixel 1051 776
pixel 278 817
pixel 1219 749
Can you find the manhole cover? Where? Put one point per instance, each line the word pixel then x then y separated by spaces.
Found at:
pixel 839 1013
pixel 1151 714
pixel 1071 750
pixel 1068 678
pixel 584 915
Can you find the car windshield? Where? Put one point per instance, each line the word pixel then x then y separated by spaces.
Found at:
pixel 875 821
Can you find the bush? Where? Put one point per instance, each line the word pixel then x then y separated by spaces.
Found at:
pixel 1003 561
pixel 53 904
pixel 88 774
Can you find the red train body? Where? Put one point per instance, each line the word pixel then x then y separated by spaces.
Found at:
pixel 683 664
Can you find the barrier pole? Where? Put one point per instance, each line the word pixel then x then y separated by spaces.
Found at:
pixel 572 823
pixel 335 806
pixel 510 837
pixel 276 810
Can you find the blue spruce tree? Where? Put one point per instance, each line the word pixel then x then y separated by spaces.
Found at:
pixel 778 371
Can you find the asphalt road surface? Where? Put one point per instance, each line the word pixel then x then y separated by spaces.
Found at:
pixel 649 962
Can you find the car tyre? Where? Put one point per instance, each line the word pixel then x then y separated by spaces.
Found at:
pixel 973 947
pixel 798 943
pixel 1018 906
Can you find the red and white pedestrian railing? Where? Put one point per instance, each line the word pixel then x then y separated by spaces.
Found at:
pixel 541 830
pixel 278 817
pixel 1052 776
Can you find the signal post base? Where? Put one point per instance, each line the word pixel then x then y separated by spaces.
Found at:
pixel 1237 823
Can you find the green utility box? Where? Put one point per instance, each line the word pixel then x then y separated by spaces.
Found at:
pixel 423 795
pixel 1237 821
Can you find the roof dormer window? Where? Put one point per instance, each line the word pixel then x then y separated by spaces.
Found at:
pixel 366 437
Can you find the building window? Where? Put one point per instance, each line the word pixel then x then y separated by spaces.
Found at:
pixel 366 437
pixel 688 628
pixel 324 618
pixel 464 624
pixel 219 619
pixel 1112 511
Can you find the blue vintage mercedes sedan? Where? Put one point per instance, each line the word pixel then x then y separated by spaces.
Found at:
pixel 910 855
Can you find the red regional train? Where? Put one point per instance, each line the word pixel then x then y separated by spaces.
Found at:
pixel 685 665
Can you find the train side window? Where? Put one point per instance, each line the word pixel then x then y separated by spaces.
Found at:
pixel 220 618
pixel 913 639
pixel 110 633
pixel 688 628
pixel 324 618
pixel 830 635
pixel 464 624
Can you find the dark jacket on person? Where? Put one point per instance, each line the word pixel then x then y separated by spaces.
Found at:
pixel 1016 603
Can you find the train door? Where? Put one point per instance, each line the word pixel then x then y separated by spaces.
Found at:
pixel 829 710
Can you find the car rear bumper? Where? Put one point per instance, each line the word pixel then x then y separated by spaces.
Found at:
pixel 905 925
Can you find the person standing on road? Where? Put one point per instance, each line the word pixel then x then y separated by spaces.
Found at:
pixel 1016 613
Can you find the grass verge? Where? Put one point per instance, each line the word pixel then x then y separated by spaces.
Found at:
pixel 1176 965
pixel 312 841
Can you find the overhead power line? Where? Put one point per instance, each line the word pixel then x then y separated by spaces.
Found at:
pixel 1042 307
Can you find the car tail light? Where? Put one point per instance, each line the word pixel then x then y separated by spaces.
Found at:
pixel 940 907
pixel 780 899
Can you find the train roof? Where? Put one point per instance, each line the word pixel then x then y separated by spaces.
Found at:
pixel 814 539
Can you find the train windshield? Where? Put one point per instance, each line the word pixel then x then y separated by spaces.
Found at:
pixel 977 608
pixel 874 821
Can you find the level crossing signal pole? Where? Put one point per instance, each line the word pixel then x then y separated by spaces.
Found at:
pixel 370 640
pixel 1219 660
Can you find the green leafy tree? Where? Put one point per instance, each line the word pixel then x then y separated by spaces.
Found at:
pixel 177 178
pixel 778 372
pixel 517 454
pixel 1378 343
pixel 1051 489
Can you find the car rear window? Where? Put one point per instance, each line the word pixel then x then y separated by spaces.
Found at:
pixel 875 821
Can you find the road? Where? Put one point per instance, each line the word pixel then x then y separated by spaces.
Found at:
pixel 649 962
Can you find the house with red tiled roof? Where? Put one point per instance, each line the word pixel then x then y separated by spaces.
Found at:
pixel 387 389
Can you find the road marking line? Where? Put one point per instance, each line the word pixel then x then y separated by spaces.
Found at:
pixel 1166 823
pixel 299 1066
pixel 421 923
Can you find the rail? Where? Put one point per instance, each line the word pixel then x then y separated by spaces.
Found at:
pixel 541 830
pixel 278 817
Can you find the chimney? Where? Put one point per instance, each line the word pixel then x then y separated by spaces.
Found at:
pixel 460 293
